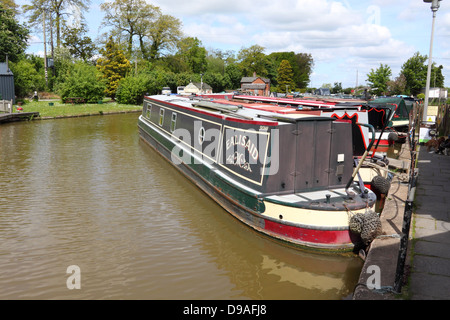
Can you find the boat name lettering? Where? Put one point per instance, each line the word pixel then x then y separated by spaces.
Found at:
pixel 244 141
pixel 238 159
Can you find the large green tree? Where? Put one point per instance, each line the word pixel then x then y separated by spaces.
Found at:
pixel 13 35
pixel 193 54
pixel 253 60
pixel 415 72
pixel 379 78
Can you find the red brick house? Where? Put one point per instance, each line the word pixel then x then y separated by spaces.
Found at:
pixel 255 85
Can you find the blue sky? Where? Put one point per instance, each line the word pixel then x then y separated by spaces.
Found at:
pixel 346 38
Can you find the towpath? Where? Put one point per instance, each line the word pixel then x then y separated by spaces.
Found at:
pixel 430 250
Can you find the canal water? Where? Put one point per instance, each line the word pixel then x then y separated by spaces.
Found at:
pixel 83 201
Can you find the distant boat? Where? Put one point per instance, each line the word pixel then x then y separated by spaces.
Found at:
pixel 287 176
pixel 358 111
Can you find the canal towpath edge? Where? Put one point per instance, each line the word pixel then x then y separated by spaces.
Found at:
pixel 427 267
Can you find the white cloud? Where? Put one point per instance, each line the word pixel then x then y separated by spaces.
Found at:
pixel 199 8
pixel 298 15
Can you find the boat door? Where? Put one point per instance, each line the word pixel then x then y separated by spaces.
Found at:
pixel 323 154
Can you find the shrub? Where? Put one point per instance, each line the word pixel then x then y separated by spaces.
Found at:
pixel 131 89
pixel 82 81
pixel 26 78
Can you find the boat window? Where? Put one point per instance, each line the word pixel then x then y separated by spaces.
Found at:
pixel 161 116
pixel 174 122
pixel 149 110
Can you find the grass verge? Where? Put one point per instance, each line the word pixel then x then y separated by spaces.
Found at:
pixel 57 109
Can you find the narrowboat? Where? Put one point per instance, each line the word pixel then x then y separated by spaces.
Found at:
pixel 287 176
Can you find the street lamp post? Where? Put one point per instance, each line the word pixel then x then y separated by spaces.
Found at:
pixel 434 8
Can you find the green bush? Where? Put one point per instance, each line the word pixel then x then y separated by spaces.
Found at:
pixel 82 80
pixel 26 78
pixel 131 89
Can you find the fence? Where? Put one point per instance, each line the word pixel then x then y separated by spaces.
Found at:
pixel 443 121
pixel 6 106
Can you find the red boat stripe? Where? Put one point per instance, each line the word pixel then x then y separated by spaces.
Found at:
pixel 309 235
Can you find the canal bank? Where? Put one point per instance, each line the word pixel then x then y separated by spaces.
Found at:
pixel 55 109
pixel 426 274
pixel 380 263
pixel 12 117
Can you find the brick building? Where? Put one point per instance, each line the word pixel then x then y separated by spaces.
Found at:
pixel 255 85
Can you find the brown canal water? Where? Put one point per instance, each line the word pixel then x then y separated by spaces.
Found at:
pixel 87 192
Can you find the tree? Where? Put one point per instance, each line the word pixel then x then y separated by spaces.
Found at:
pixel 113 65
pixel 305 64
pixel 253 60
pixel 10 4
pixel 56 8
pixel 378 79
pixel 415 72
pixel 285 77
pixel 215 80
pixel 192 53
pixel 79 46
pixel 436 77
pixel 234 75
pixel 26 78
pixel 301 64
pixel 337 87
pixel 163 34
pixel 13 36
pixel 129 19
pixel 135 19
pixel 397 86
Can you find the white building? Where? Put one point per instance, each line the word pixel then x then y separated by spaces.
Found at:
pixel 197 88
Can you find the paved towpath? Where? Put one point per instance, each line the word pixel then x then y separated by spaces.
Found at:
pixel 430 251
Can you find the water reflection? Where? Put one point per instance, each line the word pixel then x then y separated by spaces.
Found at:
pixel 88 192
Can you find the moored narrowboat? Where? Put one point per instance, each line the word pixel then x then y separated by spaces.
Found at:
pixel 288 176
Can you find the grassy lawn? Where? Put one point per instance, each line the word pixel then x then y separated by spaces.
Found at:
pixel 59 109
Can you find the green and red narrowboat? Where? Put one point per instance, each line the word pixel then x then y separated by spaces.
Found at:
pixel 288 176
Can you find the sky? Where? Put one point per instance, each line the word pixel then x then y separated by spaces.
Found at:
pixel 346 38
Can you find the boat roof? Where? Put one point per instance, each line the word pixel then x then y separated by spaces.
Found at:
pixel 241 110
